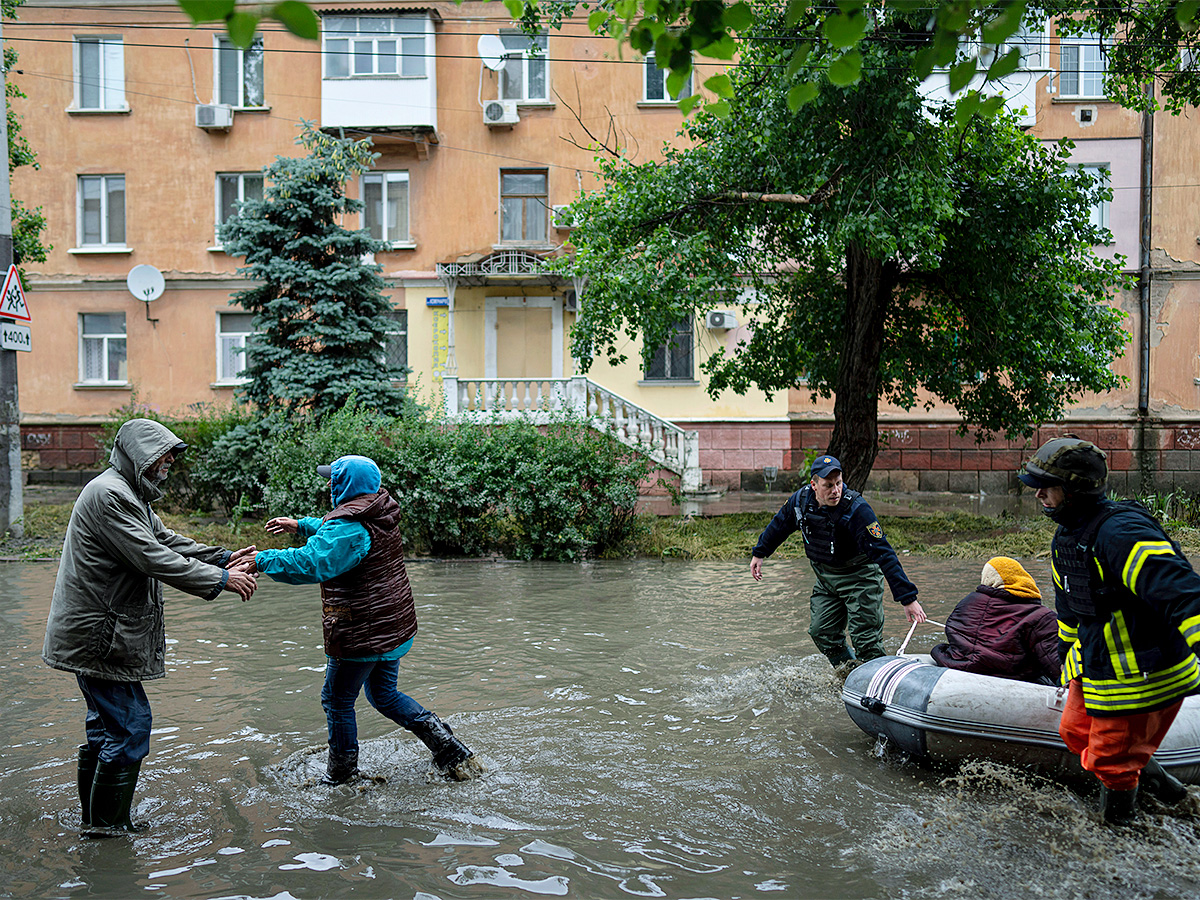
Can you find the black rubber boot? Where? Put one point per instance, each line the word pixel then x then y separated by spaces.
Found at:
pixel 341 767
pixel 86 774
pixel 1118 807
pixel 1161 784
pixel 449 753
pixel 112 796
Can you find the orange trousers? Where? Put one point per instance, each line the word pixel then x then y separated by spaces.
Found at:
pixel 1115 748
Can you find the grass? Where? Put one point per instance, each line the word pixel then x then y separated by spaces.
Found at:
pixel 730 537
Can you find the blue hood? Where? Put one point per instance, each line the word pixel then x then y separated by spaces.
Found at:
pixel 352 476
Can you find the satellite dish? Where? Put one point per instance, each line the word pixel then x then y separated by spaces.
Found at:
pixel 492 51
pixel 145 282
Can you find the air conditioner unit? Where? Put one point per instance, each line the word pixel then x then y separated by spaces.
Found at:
pixel 562 218
pixel 571 302
pixel 500 112
pixel 719 319
pixel 214 117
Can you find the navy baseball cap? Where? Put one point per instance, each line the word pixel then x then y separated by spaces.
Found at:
pixel 824 465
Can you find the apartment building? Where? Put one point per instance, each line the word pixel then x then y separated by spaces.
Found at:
pixel 150 130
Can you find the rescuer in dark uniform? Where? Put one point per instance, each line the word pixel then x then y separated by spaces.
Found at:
pixel 1128 605
pixel 850 558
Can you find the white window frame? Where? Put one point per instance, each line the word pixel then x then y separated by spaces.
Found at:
pixel 241 177
pixel 238 339
pixel 109 80
pixel 1082 72
pixel 396 333
pixel 518 54
pixel 408 49
pixel 649 66
pixel 545 212
pixel 1100 211
pixel 106 339
pixel 669 377
pixel 224 49
pixel 105 213
pixel 386 178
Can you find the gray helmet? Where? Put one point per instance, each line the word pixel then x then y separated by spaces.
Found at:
pixel 1076 465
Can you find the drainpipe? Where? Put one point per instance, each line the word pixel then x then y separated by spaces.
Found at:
pixel 1144 251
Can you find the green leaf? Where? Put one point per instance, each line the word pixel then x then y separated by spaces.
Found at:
pixel 961 74
pixel 676 82
pixel 799 58
pixel 298 18
pixel 846 69
pixel 725 48
pixel 1186 14
pixel 738 17
pixel 516 8
pixel 241 27
pixel 1003 26
pixel 207 10
pixel 721 85
pixel 965 108
pixel 687 104
pixel 1005 65
pixel 597 20
pixel 923 63
pixel 720 109
pixel 795 12
pixel 800 94
pixel 843 30
pixel 991 105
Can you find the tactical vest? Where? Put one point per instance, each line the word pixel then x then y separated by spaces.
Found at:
pixel 819 526
pixel 1074 558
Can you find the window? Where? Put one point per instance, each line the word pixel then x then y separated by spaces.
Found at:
pixel 366 46
pixel 1101 172
pixel 101 212
pixel 655 82
pixel 233 331
pixel 239 73
pixel 672 361
pixel 102 348
pixel 523 206
pixel 385 211
pixel 524 74
pixel 234 188
pixel 99 73
pixel 395 352
pixel 1081 63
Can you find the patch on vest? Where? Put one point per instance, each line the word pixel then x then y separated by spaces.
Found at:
pixel 875 531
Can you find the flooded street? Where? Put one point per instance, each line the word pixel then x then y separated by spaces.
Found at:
pixel 651 729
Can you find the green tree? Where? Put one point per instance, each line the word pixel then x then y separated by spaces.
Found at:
pixel 27 224
pixel 320 312
pixel 888 250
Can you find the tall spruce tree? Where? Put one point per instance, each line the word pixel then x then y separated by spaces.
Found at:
pixel 320 314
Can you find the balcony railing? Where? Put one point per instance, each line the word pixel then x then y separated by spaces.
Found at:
pixel 538 399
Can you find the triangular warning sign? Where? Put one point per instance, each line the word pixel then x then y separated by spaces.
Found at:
pixel 12 298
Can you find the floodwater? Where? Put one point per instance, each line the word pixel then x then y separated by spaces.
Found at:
pixel 650 729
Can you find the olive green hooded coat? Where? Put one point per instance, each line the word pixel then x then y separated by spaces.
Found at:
pixel 106 616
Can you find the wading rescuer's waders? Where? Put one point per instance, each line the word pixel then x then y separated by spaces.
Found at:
pixel 847 598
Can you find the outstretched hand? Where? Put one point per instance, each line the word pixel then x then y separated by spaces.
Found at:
pixel 237 559
pixel 283 525
pixel 241 583
pixel 914 612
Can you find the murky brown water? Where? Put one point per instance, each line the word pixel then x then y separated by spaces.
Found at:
pixel 651 729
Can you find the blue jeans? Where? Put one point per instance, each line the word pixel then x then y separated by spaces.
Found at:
pixel 118 719
pixel 344 679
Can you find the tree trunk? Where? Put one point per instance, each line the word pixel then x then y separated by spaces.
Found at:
pixel 869 286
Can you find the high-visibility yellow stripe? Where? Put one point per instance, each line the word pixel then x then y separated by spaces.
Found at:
pixel 1120 653
pixel 1073 666
pixel 1160 687
pixel 1054 574
pixel 1190 629
pixel 1068 634
pixel 1142 551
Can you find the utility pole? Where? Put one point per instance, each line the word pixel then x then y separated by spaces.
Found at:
pixel 12 500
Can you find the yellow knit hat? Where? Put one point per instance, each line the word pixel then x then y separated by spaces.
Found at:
pixel 1009 575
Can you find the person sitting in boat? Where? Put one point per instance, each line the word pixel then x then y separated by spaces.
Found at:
pixel 1001 628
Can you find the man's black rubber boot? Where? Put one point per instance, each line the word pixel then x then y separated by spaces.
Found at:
pixel 448 751
pixel 341 767
pixel 1118 807
pixel 85 776
pixel 112 796
pixel 1161 784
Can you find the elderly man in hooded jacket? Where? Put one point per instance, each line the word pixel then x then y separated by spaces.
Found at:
pixel 106 622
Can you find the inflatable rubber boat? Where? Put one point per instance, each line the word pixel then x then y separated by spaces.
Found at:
pixel 944 715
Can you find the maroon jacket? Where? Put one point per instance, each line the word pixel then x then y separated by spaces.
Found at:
pixel 992 632
pixel 369 609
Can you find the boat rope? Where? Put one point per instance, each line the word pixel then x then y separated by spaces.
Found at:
pixel 900 652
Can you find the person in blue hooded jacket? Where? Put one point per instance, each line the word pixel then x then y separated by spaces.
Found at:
pixel 368 617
